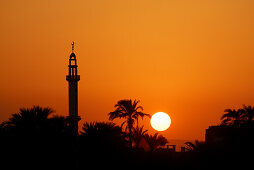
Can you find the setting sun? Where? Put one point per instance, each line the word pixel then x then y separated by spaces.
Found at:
pixel 160 121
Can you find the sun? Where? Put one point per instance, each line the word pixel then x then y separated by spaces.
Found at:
pixel 160 121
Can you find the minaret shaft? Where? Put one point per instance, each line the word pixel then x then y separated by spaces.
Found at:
pixel 73 98
pixel 73 79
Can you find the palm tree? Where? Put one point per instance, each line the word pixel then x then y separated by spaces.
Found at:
pixel 154 141
pixel 248 113
pixel 140 113
pixel 30 119
pixel 103 135
pixel 100 128
pixel 138 135
pixel 58 125
pixel 37 121
pixel 232 117
pixel 196 146
pixel 129 110
pixel 38 134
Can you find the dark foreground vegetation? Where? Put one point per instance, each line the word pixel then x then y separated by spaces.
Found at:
pixel 34 138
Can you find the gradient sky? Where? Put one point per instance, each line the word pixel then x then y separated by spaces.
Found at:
pixel 189 58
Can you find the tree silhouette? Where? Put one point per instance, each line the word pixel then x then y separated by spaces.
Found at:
pixel 129 110
pixel 248 113
pixel 38 134
pixel 103 135
pixel 196 146
pixel 138 135
pixel 30 120
pixel 232 117
pixel 58 125
pixel 154 141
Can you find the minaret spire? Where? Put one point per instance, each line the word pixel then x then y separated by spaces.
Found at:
pixel 73 79
pixel 72 46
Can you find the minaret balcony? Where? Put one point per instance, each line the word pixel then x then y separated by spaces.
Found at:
pixel 73 118
pixel 73 77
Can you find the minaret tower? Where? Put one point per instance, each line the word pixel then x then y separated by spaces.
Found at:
pixel 73 79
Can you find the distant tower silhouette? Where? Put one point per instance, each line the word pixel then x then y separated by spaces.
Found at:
pixel 73 79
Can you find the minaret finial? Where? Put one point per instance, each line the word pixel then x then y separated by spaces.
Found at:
pixel 72 46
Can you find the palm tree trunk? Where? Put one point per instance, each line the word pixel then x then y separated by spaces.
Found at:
pixel 130 131
pixel 130 139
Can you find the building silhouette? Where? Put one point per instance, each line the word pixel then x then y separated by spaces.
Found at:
pixel 73 79
pixel 230 137
pixel 219 135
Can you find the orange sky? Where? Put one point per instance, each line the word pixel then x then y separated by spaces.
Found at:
pixel 188 58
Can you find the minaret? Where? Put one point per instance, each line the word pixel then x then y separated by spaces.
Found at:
pixel 73 79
